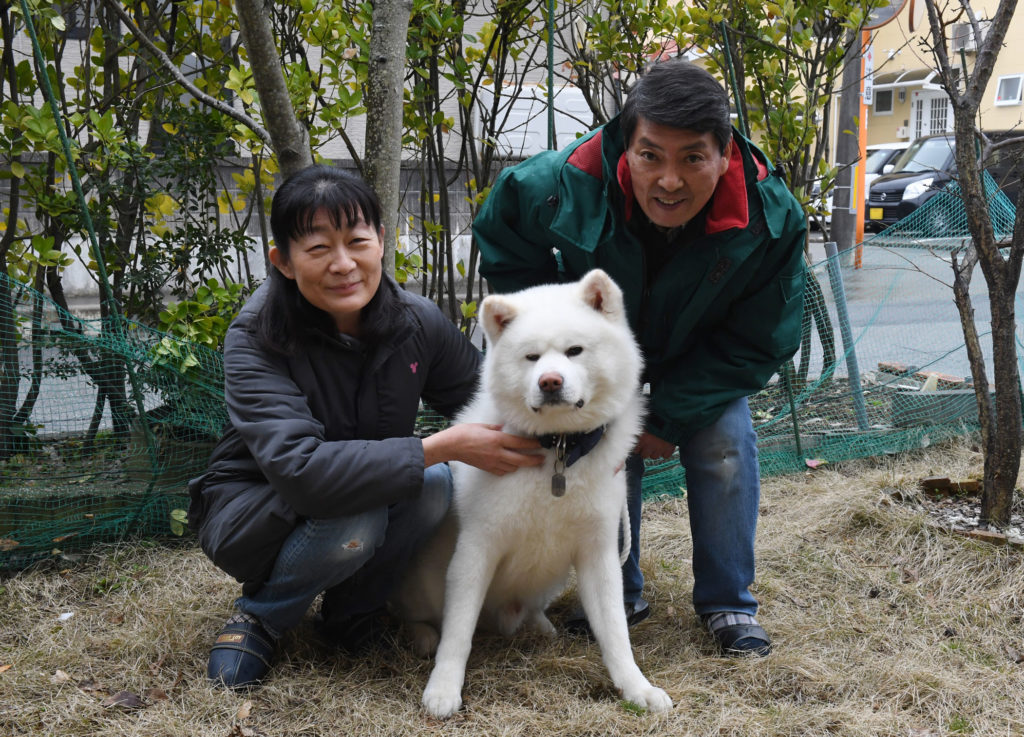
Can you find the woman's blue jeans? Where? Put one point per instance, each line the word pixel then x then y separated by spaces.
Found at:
pixel 723 490
pixel 366 552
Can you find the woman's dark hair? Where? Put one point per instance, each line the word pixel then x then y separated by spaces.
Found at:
pixel 679 94
pixel 345 198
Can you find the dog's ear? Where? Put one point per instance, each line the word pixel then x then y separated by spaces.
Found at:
pixel 601 293
pixel 496 313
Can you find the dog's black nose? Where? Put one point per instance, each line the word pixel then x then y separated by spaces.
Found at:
pixel 550 382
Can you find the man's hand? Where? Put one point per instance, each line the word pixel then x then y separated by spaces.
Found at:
pixel 651 446
pixel 484 446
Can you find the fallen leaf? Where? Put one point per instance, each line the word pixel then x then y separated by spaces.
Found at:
pixel 815 462
pixel 124 699
pixel 157 694
pixel 60 677
pixel 62 538
pixel 5 668
pixel 239 731
pixel 244 710
pixel 89 685
pixel 7 544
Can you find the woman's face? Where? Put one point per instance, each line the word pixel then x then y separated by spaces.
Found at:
pixel 336 269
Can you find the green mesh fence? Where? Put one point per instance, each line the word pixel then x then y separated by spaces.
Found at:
pixel 941 222
pixel 882 369
pixel 78 462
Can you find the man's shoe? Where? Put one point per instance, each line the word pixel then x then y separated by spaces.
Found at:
pixel 358 634
pixel 737 634
pixel 636 612
pixel 241 654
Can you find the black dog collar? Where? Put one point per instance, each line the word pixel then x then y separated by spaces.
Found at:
pixel 575 444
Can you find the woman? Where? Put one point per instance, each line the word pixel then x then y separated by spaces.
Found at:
pixel 319 484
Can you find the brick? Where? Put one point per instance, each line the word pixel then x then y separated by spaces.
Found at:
pixel 985 536
pixel 946 381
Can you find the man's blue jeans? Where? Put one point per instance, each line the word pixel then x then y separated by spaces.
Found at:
pixel 723 490
pixel 365 552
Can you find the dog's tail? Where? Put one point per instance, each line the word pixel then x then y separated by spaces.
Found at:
pixel 627 541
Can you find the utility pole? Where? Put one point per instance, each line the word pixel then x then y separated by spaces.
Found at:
pixel 844 207
pixel 849 199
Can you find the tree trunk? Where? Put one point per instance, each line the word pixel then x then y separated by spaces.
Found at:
pixel 383 153
pixel 1001 420
pixel 291 141
pixel 1002 456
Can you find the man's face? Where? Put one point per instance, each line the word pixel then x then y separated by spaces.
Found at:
pixel 674 171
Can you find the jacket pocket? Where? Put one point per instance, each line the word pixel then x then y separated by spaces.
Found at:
pixel 792 285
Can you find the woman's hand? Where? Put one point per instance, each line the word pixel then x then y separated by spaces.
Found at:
pixel 483 446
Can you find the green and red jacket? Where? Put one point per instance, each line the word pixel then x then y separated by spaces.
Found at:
pixel 724 311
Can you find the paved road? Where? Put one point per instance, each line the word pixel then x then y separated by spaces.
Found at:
pixel 900 305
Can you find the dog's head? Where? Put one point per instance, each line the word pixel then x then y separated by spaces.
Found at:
pixel 561 357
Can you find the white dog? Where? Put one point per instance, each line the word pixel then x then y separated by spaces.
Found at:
pixel 562 365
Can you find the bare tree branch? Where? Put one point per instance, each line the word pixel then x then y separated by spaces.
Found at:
pixel 171 68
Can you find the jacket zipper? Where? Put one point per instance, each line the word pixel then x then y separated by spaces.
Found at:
pixel 645 294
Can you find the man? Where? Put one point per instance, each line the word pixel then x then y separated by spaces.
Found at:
pixel 699 230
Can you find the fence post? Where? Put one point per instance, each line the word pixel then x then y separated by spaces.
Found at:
pixel 835 277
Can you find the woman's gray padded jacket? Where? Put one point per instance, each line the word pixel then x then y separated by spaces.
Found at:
pixel 326 431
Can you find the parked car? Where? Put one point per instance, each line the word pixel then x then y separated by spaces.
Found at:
pixel 922 170
pixel 925 168
pixel 879 159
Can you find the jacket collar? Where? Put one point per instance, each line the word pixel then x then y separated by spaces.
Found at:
pixel 594 165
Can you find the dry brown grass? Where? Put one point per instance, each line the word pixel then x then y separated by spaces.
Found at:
pixel 883 625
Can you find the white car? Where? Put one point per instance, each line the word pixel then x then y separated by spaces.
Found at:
pixel 880 158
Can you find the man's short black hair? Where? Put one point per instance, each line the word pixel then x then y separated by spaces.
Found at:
pixel 679 94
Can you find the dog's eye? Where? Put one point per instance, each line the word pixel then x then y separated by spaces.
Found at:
pixel 574 351
pixel 532 356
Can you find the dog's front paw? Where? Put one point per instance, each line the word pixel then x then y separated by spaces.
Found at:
pixel 441 702
pixel 649 697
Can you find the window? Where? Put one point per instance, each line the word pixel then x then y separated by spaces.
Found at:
pixel 1008 90
pixel 883 102
pixel 77 21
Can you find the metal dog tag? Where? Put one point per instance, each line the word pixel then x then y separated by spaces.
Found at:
pixel 558 478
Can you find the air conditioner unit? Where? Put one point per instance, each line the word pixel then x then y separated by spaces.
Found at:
pixel 903 131
pixel 963 38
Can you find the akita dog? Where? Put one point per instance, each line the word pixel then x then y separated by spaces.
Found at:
pixel 562 365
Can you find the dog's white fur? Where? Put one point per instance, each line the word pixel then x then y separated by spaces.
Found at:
pixel 517 542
